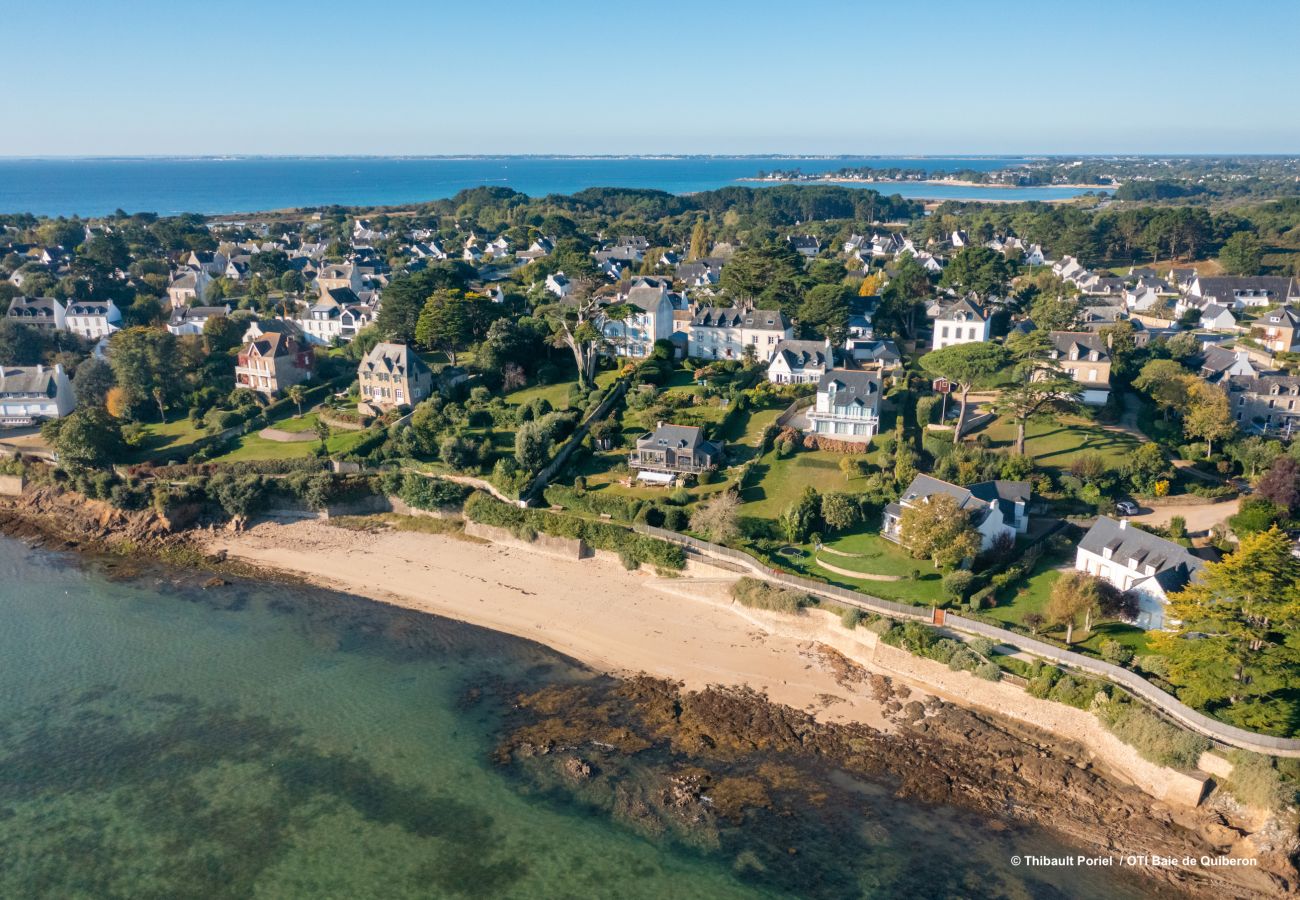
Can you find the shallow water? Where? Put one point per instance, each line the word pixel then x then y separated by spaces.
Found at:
pixel 162 740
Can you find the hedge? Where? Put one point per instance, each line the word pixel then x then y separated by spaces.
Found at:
pixel 600 535
pixel 622 508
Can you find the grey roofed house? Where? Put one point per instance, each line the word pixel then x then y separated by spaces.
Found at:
pixel 396 360
pixel 343 296
pixel 1174 565
pixel 1286 316
pixel 850 387
pixel 738 317
pixel 1242 288
pixel 884 352
pixel 1219 362
pixel 188 313
pixel 675 449
pixel 1078 345
pixel 975 498
pixel 802 354
pixel 40 311
pixel 1218 315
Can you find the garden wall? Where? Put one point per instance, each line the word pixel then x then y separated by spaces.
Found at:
pixel 548 544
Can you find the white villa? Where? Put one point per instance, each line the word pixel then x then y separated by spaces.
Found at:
pixel 963 322
pixel 800 362
pixel 93 319
pixel 31 394
pixel 651 319
pixel 1135 560
pixel 996 507
pixel 725 333
pixel 847 407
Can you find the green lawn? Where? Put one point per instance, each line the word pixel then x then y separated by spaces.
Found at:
pixel 879 557
pixel 1130 636
pixel 781 481
pixel 250 446
pixel 160 437
pixel 295 425
pixel 1030 596
pixel 1057 443
pixel 557 394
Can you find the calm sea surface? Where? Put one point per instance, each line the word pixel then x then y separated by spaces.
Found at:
pixel 246 184
pixel 159 740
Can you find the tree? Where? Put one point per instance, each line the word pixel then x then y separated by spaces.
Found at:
pixel 1073 595
pixel 406 296
pixel 769 274
pixel 699 241
pixel 1241 254
pixel 577 322
pixel 20 345
pixel 802 517
pixel 93 381
pixel 1208 415
pixel 1280 485
pixel 979 269
pixel 826 308
pixel 1236 640
pixel 1037 399
pixel 450 319
pixel 1254 515
pixel 717 517
pixel 839 511
pixel 88 437
pixel 532 447
pixel 1144 467
pixel 938 529
pixel 900 302
pixel 221 334
pixel 146 364
pixel 1167 383
pixel 296 394
pixel 966 366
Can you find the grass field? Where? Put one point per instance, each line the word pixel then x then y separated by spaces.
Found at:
pixel 1058 443
pixel 781 481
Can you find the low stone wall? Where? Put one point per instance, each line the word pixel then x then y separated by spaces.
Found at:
pixel 1184 500
pixel 548 544
pixel 11 485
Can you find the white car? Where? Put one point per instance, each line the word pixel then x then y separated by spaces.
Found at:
pixel 1126 508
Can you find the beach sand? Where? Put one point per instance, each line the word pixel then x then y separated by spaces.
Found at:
pixel 686 629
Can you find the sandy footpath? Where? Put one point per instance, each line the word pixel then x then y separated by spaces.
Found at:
pixel 619 622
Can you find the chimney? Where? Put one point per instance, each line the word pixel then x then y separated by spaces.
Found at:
pixel 1123 523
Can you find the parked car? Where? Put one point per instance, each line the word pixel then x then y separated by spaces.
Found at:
pixel 1126 508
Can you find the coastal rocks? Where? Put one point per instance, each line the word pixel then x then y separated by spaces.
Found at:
pixel 726 765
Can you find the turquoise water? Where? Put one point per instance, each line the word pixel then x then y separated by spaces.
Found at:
pixel 205 185
pixel 160 740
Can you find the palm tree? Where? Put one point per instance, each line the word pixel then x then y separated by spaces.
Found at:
pixel 297 395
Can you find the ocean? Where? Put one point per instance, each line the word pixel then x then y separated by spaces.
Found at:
pixel 163 737
pixel 167 186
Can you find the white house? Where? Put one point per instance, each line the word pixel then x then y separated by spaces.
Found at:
pixel 338 314
pixel 800 362
pixel 93 319
pixel 963 322
pixel 558 284
pixel 1241 291
pixel 31 394
pixel 1218 318
pixel 191 319
pixel 805 244
pixel 718 333
pixel 847 407
pixel 996 508
pixel 651 318
pixel 1135 560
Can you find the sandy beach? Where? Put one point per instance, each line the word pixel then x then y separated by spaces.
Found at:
pixel 595 611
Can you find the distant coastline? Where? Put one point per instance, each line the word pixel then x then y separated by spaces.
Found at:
pixel 832 178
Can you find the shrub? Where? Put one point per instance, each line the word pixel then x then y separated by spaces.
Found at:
pixel 852 617
pixel 1256 781
pixel 431 493
pixel 757 594
pixel 1152 737
pixel 989 671
pixel 1115 652
pixel 956 584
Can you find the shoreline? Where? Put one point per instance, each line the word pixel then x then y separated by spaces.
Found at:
pixel 940 182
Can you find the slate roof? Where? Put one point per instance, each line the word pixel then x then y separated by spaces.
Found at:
pixel 1083 342
pixel 850 387
pixel 975 499
pixel 1224 287
pixel 39 308
pixel 395 359
pixel 1174 564
pixel 28 381
pixel 678 437
pixel 735 317
pixel 962 310
pixel 1289 317
pixel 802 354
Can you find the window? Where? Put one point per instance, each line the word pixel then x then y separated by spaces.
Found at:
pixel 943 332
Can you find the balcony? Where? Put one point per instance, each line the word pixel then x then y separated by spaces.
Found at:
pixel 658 463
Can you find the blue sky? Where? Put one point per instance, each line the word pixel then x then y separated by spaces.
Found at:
pixel 711 76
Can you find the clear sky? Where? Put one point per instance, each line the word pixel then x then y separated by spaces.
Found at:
pixel 708 76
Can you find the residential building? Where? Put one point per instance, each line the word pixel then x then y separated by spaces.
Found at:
pixel 1137 561
pixel 393 375
pixel 39 312
pixel 672 450
pixel 1220 363
pixel 209 261
pixel 651 318
pixel 847 407
pixel 558 284
pixel 1278 330
pixel 963 322
pixel 1266 404
pixel 1084 357
pixel 338 315
pixel 93 319
pixel 339 275
pixel 724 333
pixel 701 273
pixel 805 244
pixel 273 362
pixel 881 355
pixel 1239 291
pixel 800 362
pixel 1217 318
pixel 31 394
pixel 996 508
pixel 188 286
pixel 191 319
